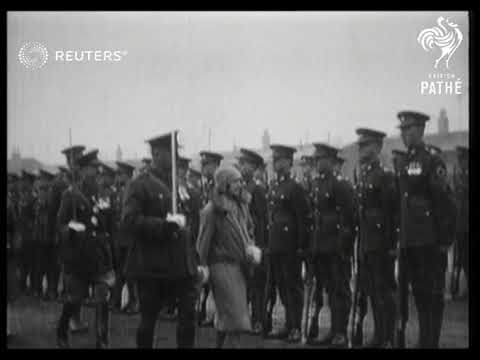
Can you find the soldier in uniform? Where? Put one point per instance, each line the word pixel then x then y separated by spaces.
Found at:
pixel 84 220
pixel 190 196
pixel 43 241
pixel 27 220
pixel 147 162
pixel 308 167
pixel 429 220
pixel 65 179
pixel 123 241
pixel 289 225
pixel 12 280
pixel 58 186
pixel 189 203
pixel 332 241
pixel 320 286
pixel 250 162
pixel 162 258
pixel 462 196
pixel 210 161
pixel 194 178
pixel 376 201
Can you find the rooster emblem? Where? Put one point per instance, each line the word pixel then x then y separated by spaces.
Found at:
pixel 447 37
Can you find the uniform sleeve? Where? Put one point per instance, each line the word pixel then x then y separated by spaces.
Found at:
pixel 443 202
pixel 259 204
pixel 65 211
pixel 347 203
pixel 205 234
pixel 390 206
pixel 303 216
pixel 133 217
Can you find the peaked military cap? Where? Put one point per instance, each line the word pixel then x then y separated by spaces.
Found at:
pixel 462 151
pixel 46 175
pixel 282 151
pixel 162 141
pixel 251 156
pixel 124 167
pixel 28 175
pixel 105 169
pixel 324 150
pixel 412 118
pixel 366 135
pixel 89 158
pixel 208 156
pixel 74 151
pixel 183 161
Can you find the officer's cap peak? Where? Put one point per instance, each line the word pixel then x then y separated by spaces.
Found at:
pixel 251 156
pixel 210 156
pixel 412 118
pixel 368 135
pixel 162 141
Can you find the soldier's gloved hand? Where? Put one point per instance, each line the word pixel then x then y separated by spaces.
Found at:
pixel 203 274
pixel 76 226
pixel 178 219
pixel 254 254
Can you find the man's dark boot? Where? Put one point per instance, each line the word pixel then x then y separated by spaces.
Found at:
pixel 62 329
pixel 314 328
pixel 357 340
pixel 436 320
pixel 102 325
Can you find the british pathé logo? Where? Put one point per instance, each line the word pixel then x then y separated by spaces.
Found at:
pixel 446 36
pixel 33 55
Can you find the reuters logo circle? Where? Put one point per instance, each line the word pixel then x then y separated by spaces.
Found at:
pixel 33 55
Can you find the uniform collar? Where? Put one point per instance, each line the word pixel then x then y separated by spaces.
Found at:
pixel 414 150
pixel 367 167
pixel 324 175
pixel 283 177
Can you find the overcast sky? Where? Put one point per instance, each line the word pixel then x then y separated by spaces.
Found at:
pixel 302 75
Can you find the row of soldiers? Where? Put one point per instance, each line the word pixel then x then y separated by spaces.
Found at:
pixel 386 233
pixel 338 229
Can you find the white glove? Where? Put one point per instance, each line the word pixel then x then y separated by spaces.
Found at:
pixel 203 273
pixel 179 219
pixel 254 254
pixel 76 226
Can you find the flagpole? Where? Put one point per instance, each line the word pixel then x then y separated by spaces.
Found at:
pixel 174 173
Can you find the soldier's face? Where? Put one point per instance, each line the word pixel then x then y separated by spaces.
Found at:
pixel 324 164
pixel 412 135
pixel 161 158
pixel 368 151
pixel 246 168
pixel 281 164
pixel 208 168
